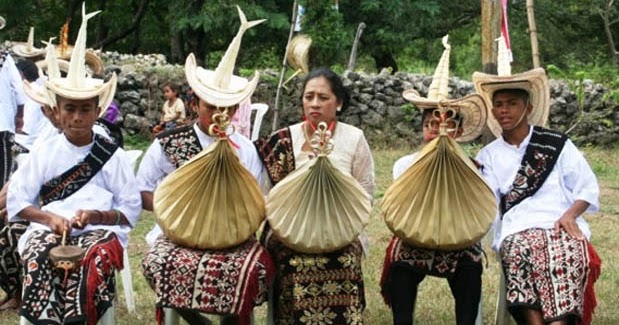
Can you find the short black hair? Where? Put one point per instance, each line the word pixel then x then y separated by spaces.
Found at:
pixel 337 86
pixel 515 91
pixel 28 69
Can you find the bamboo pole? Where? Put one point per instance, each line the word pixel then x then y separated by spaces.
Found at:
pixel 490 30
pixel 533 33
pixel 283 71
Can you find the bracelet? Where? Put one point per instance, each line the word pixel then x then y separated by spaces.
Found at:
pixel 100 214
pixel 117 217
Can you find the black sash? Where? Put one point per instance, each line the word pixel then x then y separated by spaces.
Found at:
pixel 537 163
pixel 277 154
pixel 69 182
pixel 180 144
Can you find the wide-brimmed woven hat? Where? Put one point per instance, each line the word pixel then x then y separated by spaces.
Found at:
pixel 472 108
pixel 534 81
pixel 27 49
pixel 220 87
pixel 77 85
pixel 2 22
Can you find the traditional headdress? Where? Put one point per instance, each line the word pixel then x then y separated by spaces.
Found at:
pixel 212 201
pixel 534 81
pixel 472 108
pixel 77 85
pixel 52 65
pixel 317 208
pixel 450 205
pixel 220 87
pixel 27 50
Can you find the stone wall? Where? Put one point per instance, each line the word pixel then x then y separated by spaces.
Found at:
pixel 376 102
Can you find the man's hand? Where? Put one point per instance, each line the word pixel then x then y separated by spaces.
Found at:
pixel 568 222
pixel 83 218
pixel 57 223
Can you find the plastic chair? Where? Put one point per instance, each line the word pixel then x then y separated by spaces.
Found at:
pixel 260 109
pixel 125 273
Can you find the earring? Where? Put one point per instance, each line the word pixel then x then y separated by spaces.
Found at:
pixel 339 108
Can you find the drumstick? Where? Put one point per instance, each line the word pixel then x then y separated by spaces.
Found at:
pixel 64 236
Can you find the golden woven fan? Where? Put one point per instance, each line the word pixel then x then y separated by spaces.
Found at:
pixel 317 208
pixel 441 201
pixel 211 202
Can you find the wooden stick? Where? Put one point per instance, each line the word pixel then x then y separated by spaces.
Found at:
pixel 533 32
pixel 353 51
pixel 64 237
pixel 281 75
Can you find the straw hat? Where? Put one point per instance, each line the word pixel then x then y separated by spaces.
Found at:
pixel 27 49
pixel 52 66
pixel 220 87
pixel 2 22
pixel 298 52
pixel 472 108
pixel 76 85
pixel 534 81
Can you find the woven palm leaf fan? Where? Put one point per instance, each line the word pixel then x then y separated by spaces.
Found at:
pixel 317 208
pixel 211 202
pixel 441 201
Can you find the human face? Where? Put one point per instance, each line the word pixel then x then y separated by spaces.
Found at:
pixel 431 127
pixel 510 110
pixel 205 113
pixel 76 118
pixel 168 93
pixel 319 102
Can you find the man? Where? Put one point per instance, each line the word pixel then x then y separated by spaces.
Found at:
pixel 408 261
pixel 79 187
pixel 544 185
pixel 12 100
pixel 194 269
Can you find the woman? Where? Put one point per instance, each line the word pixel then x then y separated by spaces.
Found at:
pixel 312 287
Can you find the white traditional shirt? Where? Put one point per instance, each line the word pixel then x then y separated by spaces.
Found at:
pixel 11 94
pixel 113 187
pixel 155 166
pixel 351 155
pixel 402 164
pixel 34 120
pixel 571 179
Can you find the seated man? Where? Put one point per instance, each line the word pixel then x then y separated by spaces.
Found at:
pixel 544 185
pixel 79 187
pixel 226 281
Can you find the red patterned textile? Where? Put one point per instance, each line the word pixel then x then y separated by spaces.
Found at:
pixel 548 271
pixel 230 281
pixel 89 290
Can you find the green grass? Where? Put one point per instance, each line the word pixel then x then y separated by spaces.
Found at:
pixel 435 305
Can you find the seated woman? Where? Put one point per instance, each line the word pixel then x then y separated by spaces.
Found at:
pixel 205 273
pixel 78 189
pixel 329 284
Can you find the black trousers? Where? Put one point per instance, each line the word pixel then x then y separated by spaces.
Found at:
pixel 465 285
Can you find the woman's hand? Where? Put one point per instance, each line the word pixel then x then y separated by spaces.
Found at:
pixel 83 218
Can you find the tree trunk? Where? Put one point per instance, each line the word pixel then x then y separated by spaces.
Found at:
pixel 490 30
pixel 533 32
pixel 176 47
pixel 135 23
pixel 609 34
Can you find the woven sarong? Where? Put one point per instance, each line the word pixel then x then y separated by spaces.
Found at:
pixel 425 261
pixel 318 288
pixel 230 281
pixel 89 290
pixel 549 271
pixel 10 262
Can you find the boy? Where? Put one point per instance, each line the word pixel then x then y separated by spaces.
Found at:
pixel 80 185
